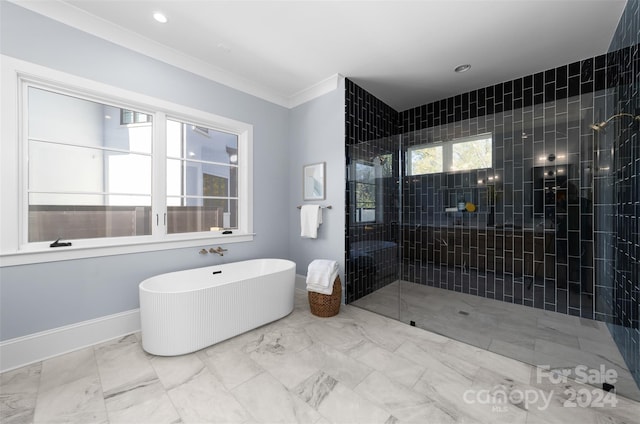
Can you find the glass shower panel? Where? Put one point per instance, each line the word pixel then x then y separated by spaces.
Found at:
pixel 513 227
pixel 372 227
pixel 532 225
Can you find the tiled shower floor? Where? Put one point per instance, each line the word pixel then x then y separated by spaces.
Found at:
pixel 534 336
pixel 357 367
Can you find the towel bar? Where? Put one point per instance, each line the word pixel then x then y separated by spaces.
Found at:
pixel 321 207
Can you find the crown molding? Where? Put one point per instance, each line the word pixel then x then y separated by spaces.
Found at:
pixel 325 86
pixel 91 24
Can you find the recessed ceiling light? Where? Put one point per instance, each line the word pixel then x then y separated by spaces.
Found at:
pixel 462 68
pixel 160 17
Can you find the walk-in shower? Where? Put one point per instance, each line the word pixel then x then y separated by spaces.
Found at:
pixel 497 229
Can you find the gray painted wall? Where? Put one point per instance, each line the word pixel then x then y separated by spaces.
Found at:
pixel 39 297
pixel 316 132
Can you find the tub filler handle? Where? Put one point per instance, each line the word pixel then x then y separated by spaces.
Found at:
pixel 219 250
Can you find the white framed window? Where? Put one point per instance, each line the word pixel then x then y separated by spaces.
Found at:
pixel 88 176
pixel 112 171
pixel 462 154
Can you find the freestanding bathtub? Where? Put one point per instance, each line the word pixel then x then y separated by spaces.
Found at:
pixel 184 311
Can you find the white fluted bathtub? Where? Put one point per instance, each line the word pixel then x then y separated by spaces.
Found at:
pixel 184 311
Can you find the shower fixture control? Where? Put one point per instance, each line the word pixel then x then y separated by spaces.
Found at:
pixel 602 125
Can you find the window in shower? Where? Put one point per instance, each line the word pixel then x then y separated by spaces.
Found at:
pixel 462 154
pixel 365 192
pixel 474 153
pixel 426 160
pixel 369 188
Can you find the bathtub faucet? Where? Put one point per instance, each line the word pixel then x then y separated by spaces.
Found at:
pixel 219 250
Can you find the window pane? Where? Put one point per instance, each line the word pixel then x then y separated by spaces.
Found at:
pixel 129 117
pixel 65 119
pixel 365 191
pixel 365 195
pixel 59 168
pixel 386 163
pixel 89 176
pixel 202 178
pixel 62 199
pixel 365 202
pixel 475 154
pixel 426 160
pixel 198 214
pixel 365 173
pixel 199 143
pixel 80 219
pixel 188 178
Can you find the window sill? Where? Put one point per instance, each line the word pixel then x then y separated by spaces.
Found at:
pixel 27 257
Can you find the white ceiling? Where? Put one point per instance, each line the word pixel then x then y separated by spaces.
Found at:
pixel 403 52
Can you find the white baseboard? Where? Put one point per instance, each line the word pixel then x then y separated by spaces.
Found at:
pixel 21 351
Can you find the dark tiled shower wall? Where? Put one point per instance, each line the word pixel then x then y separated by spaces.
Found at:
pixel 624 271
pixel 520 246
pixel 367 119
pixel 589 75
pixel 590 87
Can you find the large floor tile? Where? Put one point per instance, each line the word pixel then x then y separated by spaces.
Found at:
pixel 204 399
pixel 356 367
pixel 393 366
pixel 148 400
pixel 530 335
pixel 18 392
pixel 343 406
pixel 70 390
pixel 269 401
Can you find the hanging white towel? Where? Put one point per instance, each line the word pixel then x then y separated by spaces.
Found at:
pixel 310 220
pixel 321 274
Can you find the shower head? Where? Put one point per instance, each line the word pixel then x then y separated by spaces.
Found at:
pixel 602 125
pixel 381 159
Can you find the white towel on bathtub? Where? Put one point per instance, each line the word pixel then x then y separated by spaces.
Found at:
pixel 321 274
pixel 310 220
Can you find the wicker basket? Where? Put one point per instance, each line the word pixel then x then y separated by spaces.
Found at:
pixel 326 305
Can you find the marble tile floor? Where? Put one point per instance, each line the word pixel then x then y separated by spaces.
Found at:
pixel 356 367
pixel 531 335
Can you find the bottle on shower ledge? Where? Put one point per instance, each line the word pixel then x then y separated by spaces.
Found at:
pixel 461 204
